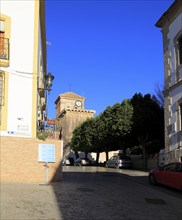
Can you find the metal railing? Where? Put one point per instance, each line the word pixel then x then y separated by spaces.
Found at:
pixel 4 48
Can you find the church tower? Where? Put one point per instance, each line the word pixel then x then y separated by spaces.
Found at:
pixel 70 112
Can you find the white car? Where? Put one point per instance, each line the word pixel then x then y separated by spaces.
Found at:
pixel 82 162
pixel 119 162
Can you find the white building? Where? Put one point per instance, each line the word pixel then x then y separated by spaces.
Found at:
pixel 22 67
pixel 171 27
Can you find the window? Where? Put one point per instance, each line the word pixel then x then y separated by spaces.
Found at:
pixel 180 116
pixel 179 167
pixel 180 50
pixel 170 167
pixel 112 158
pixel 5 27
pixel 2 38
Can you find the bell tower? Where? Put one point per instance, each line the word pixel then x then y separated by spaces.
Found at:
pixel 70 112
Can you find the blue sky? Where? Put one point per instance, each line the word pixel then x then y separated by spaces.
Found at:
pixel 104 50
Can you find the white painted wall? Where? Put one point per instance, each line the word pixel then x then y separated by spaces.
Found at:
pixel 174 28
pixel 21 66
pixel 175 94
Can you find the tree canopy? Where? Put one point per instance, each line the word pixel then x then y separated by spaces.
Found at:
pixel 138 121
pixel 106 131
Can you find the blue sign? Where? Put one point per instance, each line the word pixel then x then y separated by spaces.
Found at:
pixel 46 153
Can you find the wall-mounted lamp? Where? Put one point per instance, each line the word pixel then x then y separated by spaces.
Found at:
pixel 48 81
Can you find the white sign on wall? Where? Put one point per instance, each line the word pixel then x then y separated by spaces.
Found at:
pixel 46 153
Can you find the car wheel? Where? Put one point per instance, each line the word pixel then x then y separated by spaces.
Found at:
pixel 152 180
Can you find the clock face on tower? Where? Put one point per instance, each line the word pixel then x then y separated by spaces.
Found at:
pixel 78 103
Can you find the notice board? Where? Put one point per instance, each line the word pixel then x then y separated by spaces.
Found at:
pixel 46 153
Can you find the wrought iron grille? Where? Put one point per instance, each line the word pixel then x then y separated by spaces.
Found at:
pixel 4 48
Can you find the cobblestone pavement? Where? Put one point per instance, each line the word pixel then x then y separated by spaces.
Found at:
pixel 90 193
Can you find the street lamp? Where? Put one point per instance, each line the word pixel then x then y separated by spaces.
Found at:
pixel 48 79
pixel 48 82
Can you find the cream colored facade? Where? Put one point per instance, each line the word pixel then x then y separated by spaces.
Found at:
pixel 71 112
pixel 23 95
pixel 171 25
pixel 22 67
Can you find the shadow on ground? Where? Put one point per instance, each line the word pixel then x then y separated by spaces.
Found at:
pixel 111 195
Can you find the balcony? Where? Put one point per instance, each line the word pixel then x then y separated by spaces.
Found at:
pixel 4 52
pixel 4 48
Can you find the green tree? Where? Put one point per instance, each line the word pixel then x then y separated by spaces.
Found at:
pixel 123 124
pixel 76 140
pixel 82 139
pixel 114 124
pixel 105 132
pixel 148 123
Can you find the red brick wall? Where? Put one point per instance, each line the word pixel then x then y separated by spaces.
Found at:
pixel 19 160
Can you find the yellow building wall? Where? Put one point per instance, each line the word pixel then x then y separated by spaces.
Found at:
pixel 19 161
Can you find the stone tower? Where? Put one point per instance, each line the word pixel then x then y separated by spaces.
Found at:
pixel 70 113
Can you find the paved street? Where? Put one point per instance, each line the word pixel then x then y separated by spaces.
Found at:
pixel 92 193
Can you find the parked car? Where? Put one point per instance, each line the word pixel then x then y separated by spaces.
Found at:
pixel 82 162
pixel 169 175
pixel 68 161
pixel 119 162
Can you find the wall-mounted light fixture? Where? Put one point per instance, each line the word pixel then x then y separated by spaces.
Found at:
pixel 42 112
pixel 48 83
